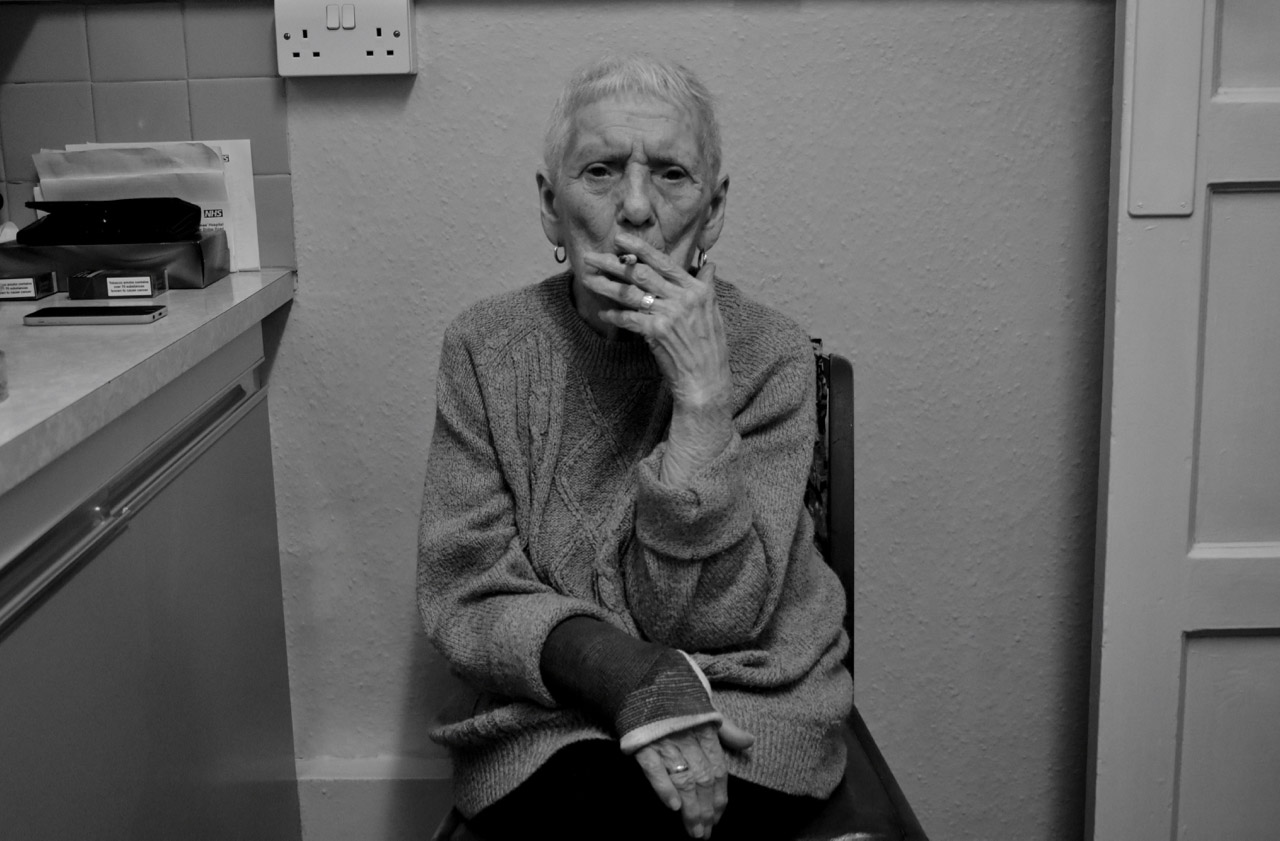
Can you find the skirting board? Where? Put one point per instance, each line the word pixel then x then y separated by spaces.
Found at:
pixel 372 800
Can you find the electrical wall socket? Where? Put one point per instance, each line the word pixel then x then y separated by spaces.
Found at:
pixel 319 38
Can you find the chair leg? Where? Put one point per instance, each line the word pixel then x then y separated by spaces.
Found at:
pixel 454 828
pixel 894 803
pixel 448 827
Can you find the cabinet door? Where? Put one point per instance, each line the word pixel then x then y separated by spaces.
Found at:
pixel 147 697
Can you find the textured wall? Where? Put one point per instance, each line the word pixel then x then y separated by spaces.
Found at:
pixel 923 184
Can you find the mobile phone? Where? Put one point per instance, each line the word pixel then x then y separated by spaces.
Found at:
pixel 131 314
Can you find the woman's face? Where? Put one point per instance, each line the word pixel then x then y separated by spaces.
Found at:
pixel 632 164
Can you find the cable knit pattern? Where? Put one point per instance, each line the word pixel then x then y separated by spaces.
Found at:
pixel 544 500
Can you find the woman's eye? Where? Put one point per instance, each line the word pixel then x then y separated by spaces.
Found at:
pixel 674 173
pixel 598 171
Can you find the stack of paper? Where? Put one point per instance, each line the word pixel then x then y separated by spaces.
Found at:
pixel 215 175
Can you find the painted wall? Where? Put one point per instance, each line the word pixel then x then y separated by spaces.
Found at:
pixel 923 184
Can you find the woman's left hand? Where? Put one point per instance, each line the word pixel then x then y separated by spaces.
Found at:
pixel 678 316
pixel 688 772
pixel 675 311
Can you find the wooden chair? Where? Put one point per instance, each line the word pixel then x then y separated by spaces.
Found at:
pixel 869 804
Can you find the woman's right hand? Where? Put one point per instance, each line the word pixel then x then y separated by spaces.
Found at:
pixel 688 772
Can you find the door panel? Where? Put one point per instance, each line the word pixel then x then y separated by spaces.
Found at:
pixel 1247 56
pixel 1238 460
pixel 1187 630
pixel 1229 738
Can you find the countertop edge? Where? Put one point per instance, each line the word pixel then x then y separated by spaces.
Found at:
pixel 32 449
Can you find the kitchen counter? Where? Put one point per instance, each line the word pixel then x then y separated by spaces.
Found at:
pixel 142 639
pixel 66 383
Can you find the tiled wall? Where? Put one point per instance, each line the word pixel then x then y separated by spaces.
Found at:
pixel 199 70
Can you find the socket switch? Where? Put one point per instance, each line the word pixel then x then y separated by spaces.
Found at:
pixel 319 38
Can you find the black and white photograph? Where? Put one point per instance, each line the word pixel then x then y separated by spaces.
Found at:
pixel 759 420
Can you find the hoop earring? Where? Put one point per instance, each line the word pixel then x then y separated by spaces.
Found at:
pixel 559 253
pixel 701 259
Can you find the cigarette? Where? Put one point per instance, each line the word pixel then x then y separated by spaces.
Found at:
pixel 628 259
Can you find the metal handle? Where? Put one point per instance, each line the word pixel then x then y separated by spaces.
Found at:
pixel 74 540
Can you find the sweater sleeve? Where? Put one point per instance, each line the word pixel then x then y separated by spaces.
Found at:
pixel 710 559
pixel 645 691
pixel 482 605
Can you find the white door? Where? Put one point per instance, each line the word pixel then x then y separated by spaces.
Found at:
pixel 1186 671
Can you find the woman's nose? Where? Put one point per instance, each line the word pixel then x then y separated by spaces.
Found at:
pixel 637 203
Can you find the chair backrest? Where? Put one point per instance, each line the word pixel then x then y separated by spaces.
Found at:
pixel 830 500
pixel 829 494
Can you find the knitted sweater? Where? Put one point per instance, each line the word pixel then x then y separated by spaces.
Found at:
pixel 543 500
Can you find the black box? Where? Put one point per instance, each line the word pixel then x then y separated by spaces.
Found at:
pixel 191 264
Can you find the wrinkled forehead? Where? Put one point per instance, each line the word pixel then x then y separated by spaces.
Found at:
pixel 613 123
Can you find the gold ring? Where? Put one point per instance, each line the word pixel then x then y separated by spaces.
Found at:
pixel 680 769
pixel 648 300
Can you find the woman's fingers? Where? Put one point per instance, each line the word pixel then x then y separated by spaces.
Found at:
pixel 657 259
pixel 658 775
pixel 630 296
pixel 674 780
pixel 709 741
pixel 734 738
pixel 653 286
pixel 697 772
pixel 689 773
pixel 636 276
pixel 671 306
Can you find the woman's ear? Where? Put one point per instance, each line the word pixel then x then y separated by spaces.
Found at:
pixel 715 214
pixel 547 201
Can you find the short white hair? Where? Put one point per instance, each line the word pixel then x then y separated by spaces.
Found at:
pixel 636 75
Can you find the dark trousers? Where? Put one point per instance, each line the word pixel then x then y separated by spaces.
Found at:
pixel 590 790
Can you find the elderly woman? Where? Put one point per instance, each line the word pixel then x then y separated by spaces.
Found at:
pixel 614 551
